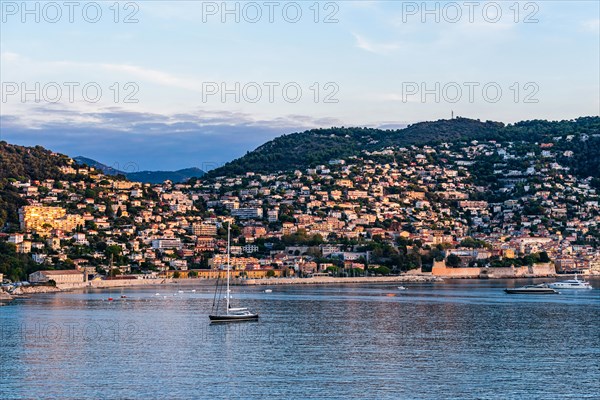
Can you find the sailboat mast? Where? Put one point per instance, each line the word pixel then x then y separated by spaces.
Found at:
pixel 228 261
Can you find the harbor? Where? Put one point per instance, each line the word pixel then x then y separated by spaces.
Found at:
pixel 368 340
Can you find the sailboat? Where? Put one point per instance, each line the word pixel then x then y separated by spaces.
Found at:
pixel 231 314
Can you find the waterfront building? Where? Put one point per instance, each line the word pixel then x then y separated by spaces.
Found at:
pixel 60 277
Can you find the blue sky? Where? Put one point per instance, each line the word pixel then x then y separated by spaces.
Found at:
pixel 372 63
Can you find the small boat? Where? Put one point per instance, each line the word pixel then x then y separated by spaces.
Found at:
pixel 401 288
pixel 268 291
pixel 571 284
pixel 230 314
pixel 110 299
pixel 542 288
pixel 123 296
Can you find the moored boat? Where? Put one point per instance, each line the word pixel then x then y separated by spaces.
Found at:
pixel 231 314
pixel 571 284
pixel 234 315
pixel 532 289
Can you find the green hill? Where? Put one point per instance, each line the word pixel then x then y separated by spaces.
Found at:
pixel 318 146
pixel 23 163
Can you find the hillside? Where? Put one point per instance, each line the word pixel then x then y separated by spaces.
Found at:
pixel 24 163
pixel 178 176
pixel 319 146
pixel 98 165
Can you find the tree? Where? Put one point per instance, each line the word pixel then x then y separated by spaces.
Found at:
pixel 113 252
pixel 453 260
pixel 114 272
pixel 382 270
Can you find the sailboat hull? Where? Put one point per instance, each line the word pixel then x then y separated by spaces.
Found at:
pixel 238 314
pixel 233 318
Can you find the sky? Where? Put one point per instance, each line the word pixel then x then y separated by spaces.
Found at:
pixel 169 84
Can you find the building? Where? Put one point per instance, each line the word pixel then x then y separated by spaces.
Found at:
pixel 80 239
pixel 42 220
pixel 204 229
pixel 237 250
pixel 238 263
pixel 24 247
pixel 247 213
pixel 60 277
pixel 250 248
pixel 205 244
pixel 16 238
pixel 179 264
pixel 273 215
pixel 166 243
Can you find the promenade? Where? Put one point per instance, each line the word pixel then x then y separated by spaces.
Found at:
pixel 324 280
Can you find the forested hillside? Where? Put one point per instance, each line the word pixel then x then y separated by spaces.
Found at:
pixel 22 163
pixel 318 146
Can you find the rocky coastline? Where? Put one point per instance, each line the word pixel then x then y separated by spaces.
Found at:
pixel 5 296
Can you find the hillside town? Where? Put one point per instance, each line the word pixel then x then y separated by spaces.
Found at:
pixel 454 205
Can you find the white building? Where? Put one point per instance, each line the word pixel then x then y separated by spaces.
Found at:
pixel 166 243
pixel 179 264
pixel 80 239
pixel 247 213
pixel 16 238
pixel 250 248
pixel 273 215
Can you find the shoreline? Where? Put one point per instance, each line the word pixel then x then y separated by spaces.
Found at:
pixel 5 296
pixel 325 280
pixel 25 291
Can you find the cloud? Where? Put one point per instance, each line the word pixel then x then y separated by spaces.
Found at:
pixel 155 76
pixel 135 71
pixel 205 139
pixel 7 56
pixel 592 25
pixel 373 47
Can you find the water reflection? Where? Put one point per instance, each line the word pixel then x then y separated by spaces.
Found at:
pixel 453 340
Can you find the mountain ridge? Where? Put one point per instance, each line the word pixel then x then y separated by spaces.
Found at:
pixel 178 176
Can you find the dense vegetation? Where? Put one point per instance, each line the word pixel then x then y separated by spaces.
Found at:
pixel 15 266
pixel 23 163
pixel 319 146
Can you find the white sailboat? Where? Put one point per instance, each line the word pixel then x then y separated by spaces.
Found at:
pixel 231 314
